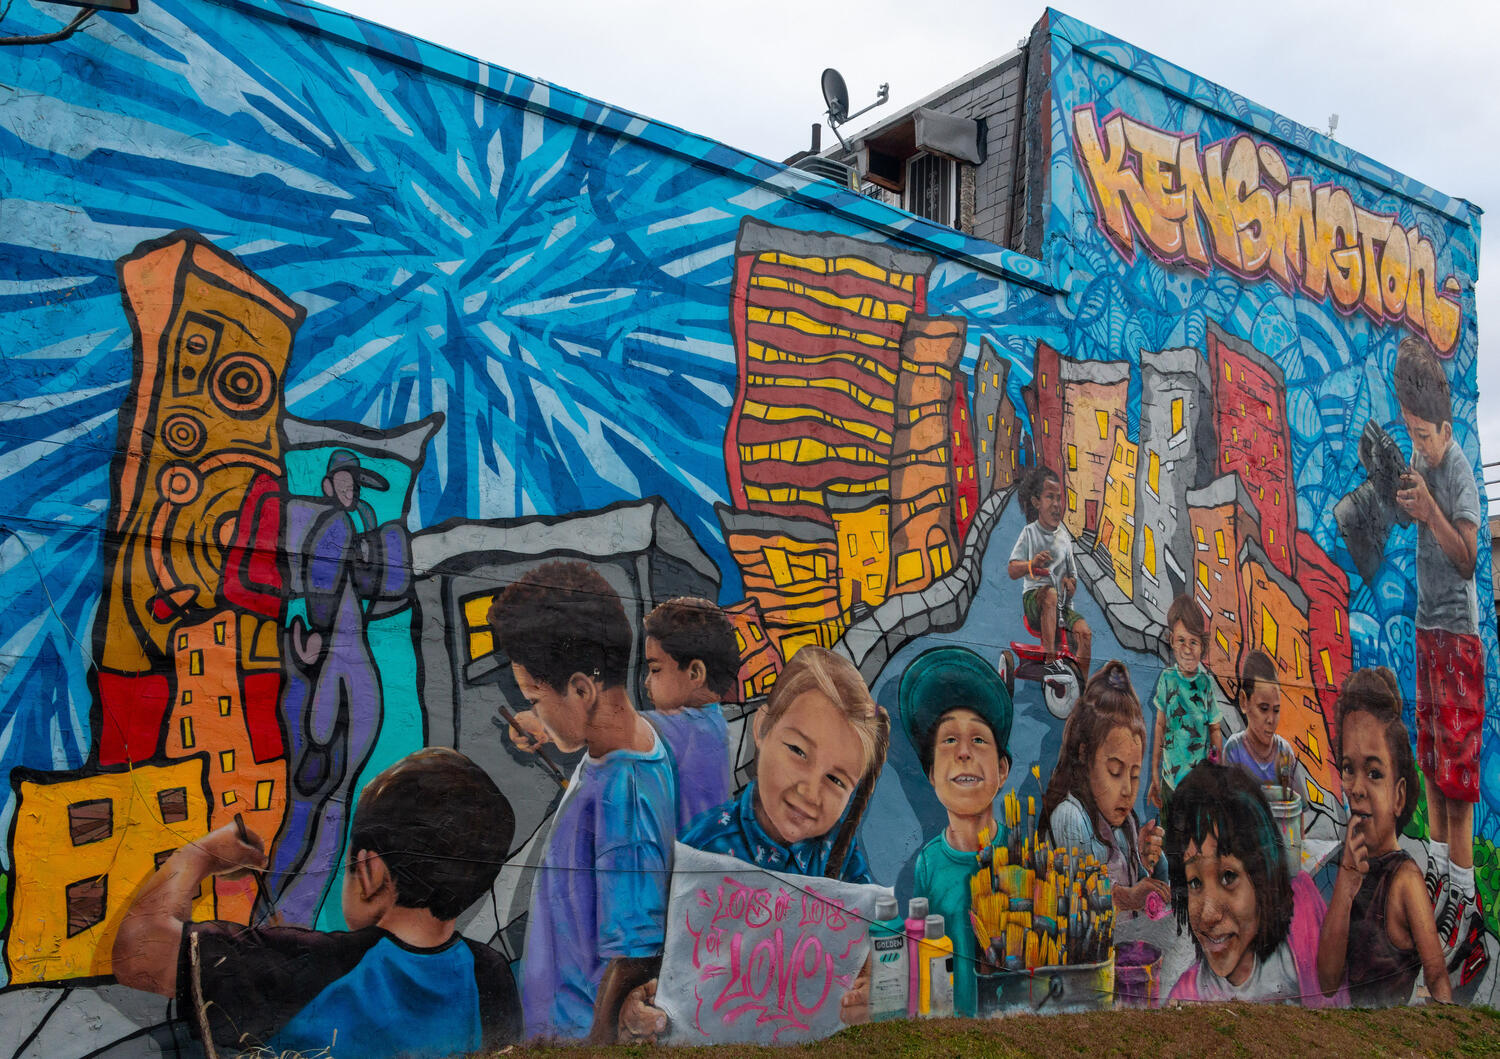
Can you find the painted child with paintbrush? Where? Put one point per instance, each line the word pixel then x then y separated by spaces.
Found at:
pixel 1090 799
pixel 957 714
pixel 428 836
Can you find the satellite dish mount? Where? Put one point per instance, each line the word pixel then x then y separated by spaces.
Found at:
pixel 836 96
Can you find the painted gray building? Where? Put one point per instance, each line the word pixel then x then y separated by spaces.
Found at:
pixel 1176 455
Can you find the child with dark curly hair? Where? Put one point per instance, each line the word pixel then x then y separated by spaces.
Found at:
pixel 1379 929
pixel 1254 925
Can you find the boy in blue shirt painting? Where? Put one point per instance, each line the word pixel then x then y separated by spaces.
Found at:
pixel 429 835
pixel 599 900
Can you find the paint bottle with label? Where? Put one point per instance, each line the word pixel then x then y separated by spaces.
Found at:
pixel 937 971
pixel 889 974
pixel 916 930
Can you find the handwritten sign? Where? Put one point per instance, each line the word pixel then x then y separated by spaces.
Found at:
pixel 755 955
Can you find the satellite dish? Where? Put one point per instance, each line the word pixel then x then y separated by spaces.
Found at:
pixel 836 95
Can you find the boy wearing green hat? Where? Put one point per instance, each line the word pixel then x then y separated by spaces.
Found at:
pixel 957 714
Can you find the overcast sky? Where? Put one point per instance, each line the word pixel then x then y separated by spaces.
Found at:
pixel 1416 84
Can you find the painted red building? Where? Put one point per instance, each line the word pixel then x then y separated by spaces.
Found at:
pixel 965 479
pixel 818 322
pixel 1044 403
pixel 1327 590
pixel 1250 420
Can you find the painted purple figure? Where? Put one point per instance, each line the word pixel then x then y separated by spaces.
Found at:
pixel 349 570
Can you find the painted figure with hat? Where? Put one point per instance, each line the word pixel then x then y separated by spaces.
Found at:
pixel 349 570
pixel 957 713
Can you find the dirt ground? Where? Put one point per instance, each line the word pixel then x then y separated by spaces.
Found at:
pixel 1190 1032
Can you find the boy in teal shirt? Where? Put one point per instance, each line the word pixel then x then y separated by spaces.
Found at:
pixel 957 714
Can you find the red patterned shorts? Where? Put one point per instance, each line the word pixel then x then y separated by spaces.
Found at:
pixel 1450 710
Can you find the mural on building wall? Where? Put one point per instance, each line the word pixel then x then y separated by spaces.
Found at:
pixel 976 617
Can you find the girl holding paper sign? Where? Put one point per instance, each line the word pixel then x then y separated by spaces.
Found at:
pixel 820 743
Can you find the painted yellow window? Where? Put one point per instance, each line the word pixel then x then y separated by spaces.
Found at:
pixel 1072 500
pixel 1124 542
pixel 851 541
pixel 963 506
pixel 942 562
pixel 1223 550
pixel 195 663
pixel 1148 546
pixel 1153 473
pixel 781 568
pixel 1176 414
pixel 908 566
pixel 1268 414
pixel 991 418
pixel 1072 457
pixel 1228 375
pixel 187 698
pixel 263 791
pixel 1269 632
pixel 1199 530
pixel 1297 656
pixel 739 638
pixel 1046 426
pixel 1327 660
pixel 476 617
pixel 1202 573
pixel 1125 493
pixel 1270 535
pixel 821 566
pixel 219 632
pixel 1101 417
pixel 989 469
pixel 224 702
pixel 226 760
pixel 188 741
pixel 182 641
pixel 1222 640
pixel 983 387
pixel 1338 622
pixel 1044 378
pixel 995 379
pixel 229 797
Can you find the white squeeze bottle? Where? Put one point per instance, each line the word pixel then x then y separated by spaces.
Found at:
pixel 937 972
pixel 889 974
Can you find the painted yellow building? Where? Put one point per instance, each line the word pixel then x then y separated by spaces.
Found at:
pixel 1222 516
pixel 924 538
pixel 209 718
pixel 1094 396
pixel 83 844
pixel 864 544
pixel 1117 517
pixel 790 569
